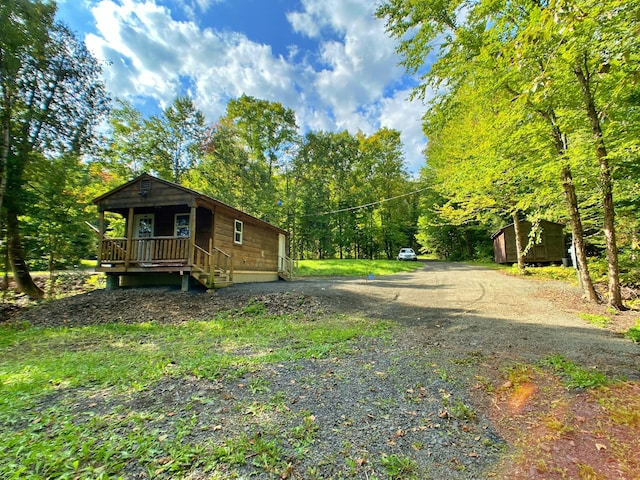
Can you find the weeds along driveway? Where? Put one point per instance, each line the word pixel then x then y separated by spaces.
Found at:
pixel 410 403
pixel 467 309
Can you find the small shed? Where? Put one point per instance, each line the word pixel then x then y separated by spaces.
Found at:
pixel 550 249
pixel 175 235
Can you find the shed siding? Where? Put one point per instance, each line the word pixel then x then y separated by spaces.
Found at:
pixel 550 249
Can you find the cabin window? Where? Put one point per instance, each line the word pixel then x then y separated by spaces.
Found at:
pixel 182 225
pixel 143 225
pixel 237 232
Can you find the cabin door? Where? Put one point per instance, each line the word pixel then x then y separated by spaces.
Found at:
pixel 142 231
pixel 282 246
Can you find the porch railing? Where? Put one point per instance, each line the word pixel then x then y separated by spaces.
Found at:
pixel 144 250
pixel 287 267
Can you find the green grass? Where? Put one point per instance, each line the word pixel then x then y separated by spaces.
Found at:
pixel 549 273
pixel 634 332
pixel 68 396
pixel 601 321
pixel 575 376
pixel 354 267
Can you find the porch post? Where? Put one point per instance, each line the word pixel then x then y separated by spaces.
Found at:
pixel 129 238
pixel 192 234
pixel 100 236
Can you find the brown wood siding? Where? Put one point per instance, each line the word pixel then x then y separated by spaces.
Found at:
pixel 550 249
pixel 159 195
pixel 500 255
pixel 259 248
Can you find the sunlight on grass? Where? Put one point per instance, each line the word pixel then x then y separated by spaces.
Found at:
pixel 48 375
pixel 354 267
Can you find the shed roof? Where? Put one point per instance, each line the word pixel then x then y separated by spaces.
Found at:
pixel 526 222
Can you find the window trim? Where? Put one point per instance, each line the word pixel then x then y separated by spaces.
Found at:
pixel 187 226
pixel 136 224
pixel 238 231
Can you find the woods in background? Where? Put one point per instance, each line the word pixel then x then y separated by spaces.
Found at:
pixel 531 112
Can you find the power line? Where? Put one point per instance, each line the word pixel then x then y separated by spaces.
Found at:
pixel 365 205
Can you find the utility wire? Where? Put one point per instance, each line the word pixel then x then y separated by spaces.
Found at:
pixel 365 205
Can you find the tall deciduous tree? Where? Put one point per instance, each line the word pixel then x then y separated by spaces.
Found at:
pixel 174 140
pixel 247 160
pixel 25 30
pixel 127 150
pixel 51 99
pixel 549 54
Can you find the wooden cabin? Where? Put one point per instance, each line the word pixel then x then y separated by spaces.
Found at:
pixel 550 249
pixel 175 235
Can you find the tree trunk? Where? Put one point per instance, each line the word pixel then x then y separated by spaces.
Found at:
pixel 578 234
pixel 5 138
pixel 516 231
pixel 468 243
pixel 608 212
pixel 19 267
pixel 571 199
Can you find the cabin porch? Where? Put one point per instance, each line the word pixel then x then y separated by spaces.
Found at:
pixel 189 252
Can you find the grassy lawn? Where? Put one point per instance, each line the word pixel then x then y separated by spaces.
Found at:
pixel 354 267
pixel 67 402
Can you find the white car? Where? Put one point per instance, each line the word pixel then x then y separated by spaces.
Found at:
pixel 407 254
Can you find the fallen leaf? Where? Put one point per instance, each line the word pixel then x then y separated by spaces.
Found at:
pixel 287 473
pixel 600 446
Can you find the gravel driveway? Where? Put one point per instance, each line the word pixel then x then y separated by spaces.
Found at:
pixel 466 309
pixel 407 398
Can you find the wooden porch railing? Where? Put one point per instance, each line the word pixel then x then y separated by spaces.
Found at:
pixel 287 267
pixel 145 250
pixel 223 261
pixel 216 266
pixel 206 267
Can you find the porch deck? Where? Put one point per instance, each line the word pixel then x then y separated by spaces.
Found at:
pixel 212 268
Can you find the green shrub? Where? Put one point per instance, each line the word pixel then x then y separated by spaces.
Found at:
pixel 634 332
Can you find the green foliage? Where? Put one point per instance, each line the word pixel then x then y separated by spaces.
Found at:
pixel 634 332
pixel 399 467
pixel 595 319
pixel 528 93
pixel 51 98
pixel 67 408
pixel 354 268
pixel 575 376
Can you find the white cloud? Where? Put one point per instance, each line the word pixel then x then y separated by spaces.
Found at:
pixel 339 86
pixel 401 114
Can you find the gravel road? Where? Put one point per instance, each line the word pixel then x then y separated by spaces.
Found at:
pixel 407 398
pixel 465 309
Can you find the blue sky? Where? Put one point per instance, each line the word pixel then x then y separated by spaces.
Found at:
pixel 328 60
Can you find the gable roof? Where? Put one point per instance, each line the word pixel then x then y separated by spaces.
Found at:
pixel 197 198
pixel 526 223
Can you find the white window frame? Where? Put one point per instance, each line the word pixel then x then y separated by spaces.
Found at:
pixel 150 219
pixel 238 228
pixel 182 225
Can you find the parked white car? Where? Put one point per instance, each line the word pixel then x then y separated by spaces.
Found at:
pixel 407 254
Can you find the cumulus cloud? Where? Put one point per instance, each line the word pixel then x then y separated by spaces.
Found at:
pixel 343 84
